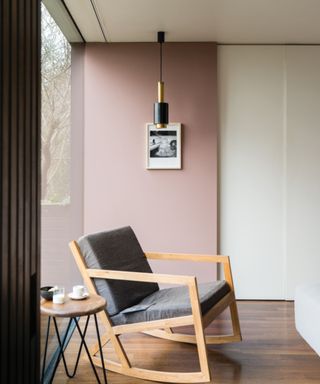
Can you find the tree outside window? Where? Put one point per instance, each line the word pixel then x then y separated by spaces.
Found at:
pixel 55 116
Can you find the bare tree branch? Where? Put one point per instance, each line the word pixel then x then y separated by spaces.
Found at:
pixel 56 105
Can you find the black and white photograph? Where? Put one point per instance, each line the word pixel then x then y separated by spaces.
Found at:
pixel 164 147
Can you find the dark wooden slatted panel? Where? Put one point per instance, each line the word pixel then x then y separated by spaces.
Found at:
pixel 19 191
pixel 4 192
pixel 21 181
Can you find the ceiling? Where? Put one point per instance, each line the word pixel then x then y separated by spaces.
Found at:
pixel 223 21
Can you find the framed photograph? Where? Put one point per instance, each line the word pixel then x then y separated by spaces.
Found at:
pixel 164 146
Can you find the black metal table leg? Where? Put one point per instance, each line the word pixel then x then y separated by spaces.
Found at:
pixel 80 348
pixel 87 350
pixel 45 350
pixel 100 347
pixel 61 345
pixel 83 343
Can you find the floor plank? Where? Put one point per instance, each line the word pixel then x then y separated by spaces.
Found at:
pixel 271 351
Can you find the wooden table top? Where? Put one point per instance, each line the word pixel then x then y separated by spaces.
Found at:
pixel 74 308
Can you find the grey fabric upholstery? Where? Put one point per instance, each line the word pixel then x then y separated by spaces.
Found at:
pixel 117 250
pixel 172 302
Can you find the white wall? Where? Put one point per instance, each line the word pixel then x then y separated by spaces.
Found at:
pixel 303 165
pixel 251 167
pixel 269 173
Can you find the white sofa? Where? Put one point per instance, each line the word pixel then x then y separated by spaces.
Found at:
pixel 307 313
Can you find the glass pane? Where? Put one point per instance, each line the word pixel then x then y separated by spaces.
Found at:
pixel 56 113
pixel 60 213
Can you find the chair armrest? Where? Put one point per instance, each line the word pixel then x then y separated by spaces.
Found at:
pixel 225 260
pixel 190 281
pixel 141 276
pixel 188 257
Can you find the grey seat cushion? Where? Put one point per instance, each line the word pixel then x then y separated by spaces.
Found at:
pixel 118 250
pixel 172 302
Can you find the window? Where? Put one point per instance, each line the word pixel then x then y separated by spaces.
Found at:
pixel 56 116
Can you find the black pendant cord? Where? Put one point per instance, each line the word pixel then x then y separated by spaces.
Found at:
pixel 161 39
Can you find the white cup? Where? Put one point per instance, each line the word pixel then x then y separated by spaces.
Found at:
pixel 58 296
pixel 78 290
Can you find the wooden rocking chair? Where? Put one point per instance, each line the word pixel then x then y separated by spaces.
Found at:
pixel 114 266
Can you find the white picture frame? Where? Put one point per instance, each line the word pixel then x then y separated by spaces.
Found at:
pixel 163 146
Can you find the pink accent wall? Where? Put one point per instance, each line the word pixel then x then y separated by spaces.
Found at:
pixel 170 210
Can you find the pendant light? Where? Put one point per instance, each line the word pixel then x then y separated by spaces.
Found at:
pixel 161 109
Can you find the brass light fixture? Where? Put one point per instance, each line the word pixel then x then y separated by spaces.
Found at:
pixel 161 109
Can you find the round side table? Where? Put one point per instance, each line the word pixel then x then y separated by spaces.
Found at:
pixel 73 309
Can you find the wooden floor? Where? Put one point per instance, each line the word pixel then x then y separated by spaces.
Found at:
pixel 271 352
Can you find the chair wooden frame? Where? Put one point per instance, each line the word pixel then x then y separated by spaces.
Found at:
pixel 163 328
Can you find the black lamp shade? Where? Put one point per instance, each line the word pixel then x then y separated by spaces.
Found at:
pixel 161 113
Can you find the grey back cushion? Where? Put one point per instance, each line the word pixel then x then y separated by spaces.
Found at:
pixel 118 250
